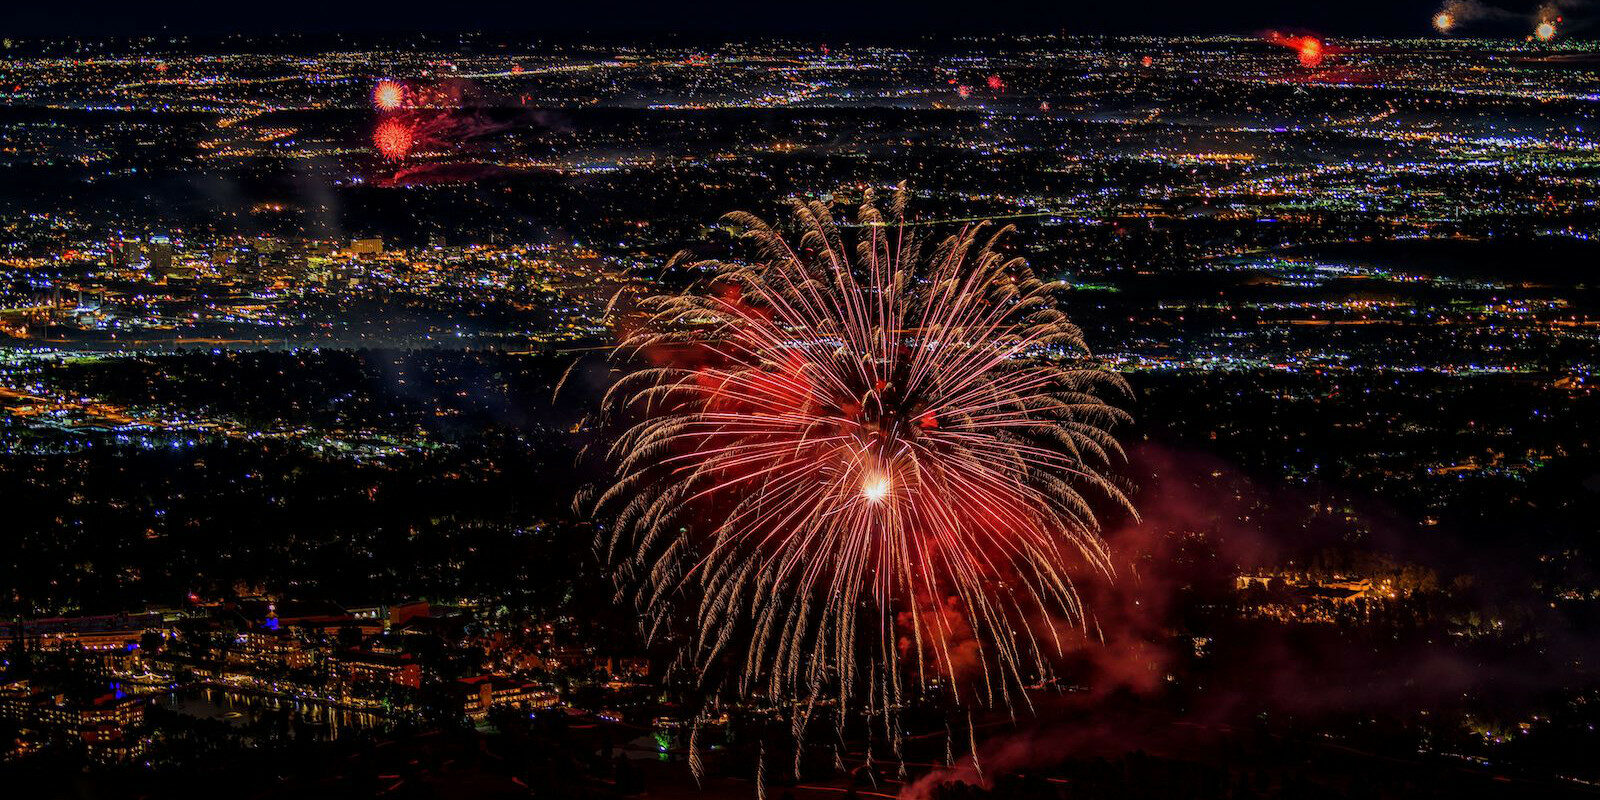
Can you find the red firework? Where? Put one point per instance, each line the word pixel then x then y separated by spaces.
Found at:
pixel 388 95
pixel 996 84
pixel 1310 51
pixel 394 139
pixel 860 453
pixel 1309 48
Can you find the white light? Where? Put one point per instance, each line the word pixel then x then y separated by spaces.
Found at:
pixel 875 489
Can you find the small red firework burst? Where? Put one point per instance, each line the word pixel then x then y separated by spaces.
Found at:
pixel 1309 48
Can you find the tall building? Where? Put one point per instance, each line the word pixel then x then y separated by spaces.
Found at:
pixel 126 253
pixel 159 248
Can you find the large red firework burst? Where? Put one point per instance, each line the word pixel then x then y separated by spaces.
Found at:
pixel 860 465
pixel 393 138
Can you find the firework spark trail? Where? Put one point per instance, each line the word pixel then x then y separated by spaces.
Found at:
pixel 861 466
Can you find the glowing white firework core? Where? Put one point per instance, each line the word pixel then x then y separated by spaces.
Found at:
pixel 875 489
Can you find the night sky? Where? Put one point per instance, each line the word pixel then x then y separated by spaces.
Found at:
pixel 823 18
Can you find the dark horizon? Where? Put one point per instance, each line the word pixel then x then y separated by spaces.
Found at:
pixel 890 20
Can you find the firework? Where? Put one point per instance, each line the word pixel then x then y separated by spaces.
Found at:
pixel 388 95
pixel 1444 21
pixel 996 83
pixel 1546 30
pixel 1308 48
pixel 393 138
pixel 1310 51
pixel 402 134
pixel 843 469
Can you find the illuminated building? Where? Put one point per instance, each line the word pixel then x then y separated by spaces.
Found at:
pixel 366 666
pixel 159 249
pixel 108 632
pixel 366 247
pixel 480 694
pixel 270 649
pixel 106 725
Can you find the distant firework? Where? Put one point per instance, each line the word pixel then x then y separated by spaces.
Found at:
pixel 1147 61
pixel 393 138
pixel 1309 48
pixel 862 462
pixel 1546 30
pixel 1444 21
pixel 964 91
pixel 388 96
pixel 1310 51
pixel 996 84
